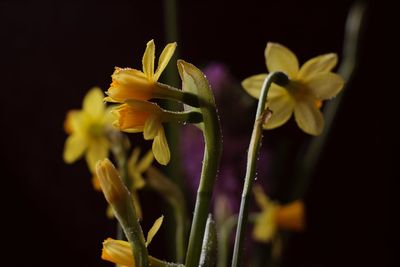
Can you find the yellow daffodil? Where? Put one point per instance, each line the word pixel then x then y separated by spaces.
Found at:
pixel 142 116
pixel 274 216
pixel 120 252
pixel 309 84
pixel 87 130
pixel 142 85
pixel 137 167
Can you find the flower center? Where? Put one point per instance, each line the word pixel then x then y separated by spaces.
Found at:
pixel 96 130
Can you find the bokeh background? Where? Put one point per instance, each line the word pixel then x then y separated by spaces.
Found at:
pixel 52 53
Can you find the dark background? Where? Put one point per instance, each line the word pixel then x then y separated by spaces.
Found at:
pixel 52 53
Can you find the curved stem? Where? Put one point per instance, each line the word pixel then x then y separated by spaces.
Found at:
pixel 261 116
pixel 212 153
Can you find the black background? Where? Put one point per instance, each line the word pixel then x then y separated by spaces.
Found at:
pixel 52 53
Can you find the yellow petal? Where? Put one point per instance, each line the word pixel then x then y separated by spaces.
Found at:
pixel 260 197
pixel 265 226
pixel 97 150
pixel 160 148
pixel 145 162
pixel 76 122
pixel 138 180
pixel 133 159
pixel 154 229
pixel 130 84
pixel 291 216
pixel 316 65
pixel 117 251
pixel 308 117
pixel 325 85
pixel 164 59
pixel 74 147
pixel 148 60
pixel 280 58
pixel 93 103
pixel 151 127
pixel 282 104
pixel 253 84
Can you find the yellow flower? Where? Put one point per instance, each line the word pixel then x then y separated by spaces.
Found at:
pixel 87 130
pixel 274 216
pixel 120 252
pixel 137 167
pixel 142 116
pixel 142 85
pixel 308 86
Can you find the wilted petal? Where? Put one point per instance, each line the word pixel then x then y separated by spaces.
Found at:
pixel 282 104
pixel 160 147
pixel 164 59
pixel 74 147
pixel 280 58
pixel 308 117
pixel 325 85
pixel 253 84
pixel 321 64
pixel 148 60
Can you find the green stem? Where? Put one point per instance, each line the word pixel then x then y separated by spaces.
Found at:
pixel 279 78
pixel 225 231
pixel 212 153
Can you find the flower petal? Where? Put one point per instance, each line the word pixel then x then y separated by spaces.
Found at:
pixel 253 84
pixel 165 57
pixel 151 127
pixel 308 117
pixel 145 162
pixel 282 104
pixel 280 58
pixel 265 226
pixel 260 197
pixel 154 229
pixel 148 60
pixel 74 147
pixel 97 150
pixel 93 103
pixel 321 64
pixel 325 85
pixel 160 148
pixel 117 251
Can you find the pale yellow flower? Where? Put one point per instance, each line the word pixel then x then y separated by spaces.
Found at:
pixel 309 84
pixel 87 130
pixel 130 83
pixel 274 216
pixel 120 252
pixel 142 116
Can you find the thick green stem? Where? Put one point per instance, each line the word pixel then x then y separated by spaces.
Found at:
pixel 212 153
pixel 261 116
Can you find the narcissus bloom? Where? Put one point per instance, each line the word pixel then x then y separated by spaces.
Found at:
pixel 142 116
pixel 120 252
pixel 309 84
pixel 87 130
pixel 274 216
pixel 130 83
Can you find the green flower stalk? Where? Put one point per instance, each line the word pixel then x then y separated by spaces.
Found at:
pixel 262 116
pixel 195 82
pixel 120 199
